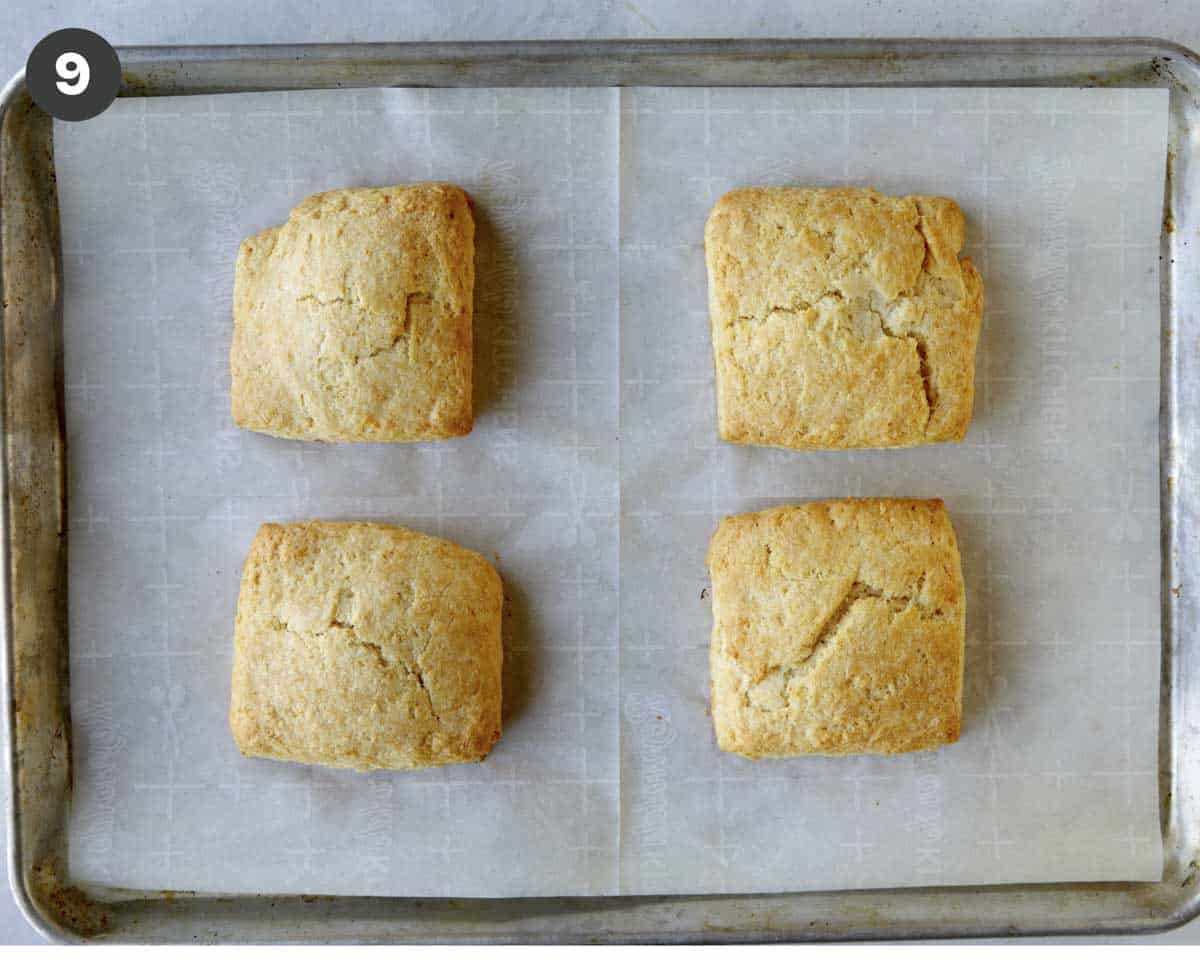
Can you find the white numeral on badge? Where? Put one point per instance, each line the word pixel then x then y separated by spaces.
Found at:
pixel 75 73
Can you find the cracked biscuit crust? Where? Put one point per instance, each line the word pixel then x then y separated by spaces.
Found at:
pixel 365 645
pixel 838 628
pixel 352 321
pixel 841 318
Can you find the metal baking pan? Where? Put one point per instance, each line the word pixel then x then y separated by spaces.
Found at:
pixel 34 543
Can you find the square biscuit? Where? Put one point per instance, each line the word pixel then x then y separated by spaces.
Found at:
pixel 841 318
pixel 838 628
pixel 353 320
pixel 365 645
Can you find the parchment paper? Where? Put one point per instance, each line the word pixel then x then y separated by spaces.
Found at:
pixel 593 477
pixel 166 493
pixel 1053 496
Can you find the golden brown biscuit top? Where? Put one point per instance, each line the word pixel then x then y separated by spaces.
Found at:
pixel 366 645
pixel 838 628
pixel 374 247
pixel 841 318
pixel 353 319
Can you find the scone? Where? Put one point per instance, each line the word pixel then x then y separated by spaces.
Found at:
pixel 352 321
pixel 841 318
pixel 365 645
pixel 837 628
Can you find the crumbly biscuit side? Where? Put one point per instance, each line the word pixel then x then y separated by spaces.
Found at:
pixel 366 645
pixel 838 628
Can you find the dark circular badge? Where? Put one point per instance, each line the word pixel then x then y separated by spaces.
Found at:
pixel 73 74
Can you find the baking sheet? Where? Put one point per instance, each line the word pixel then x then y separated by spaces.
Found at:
pixel 583 195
